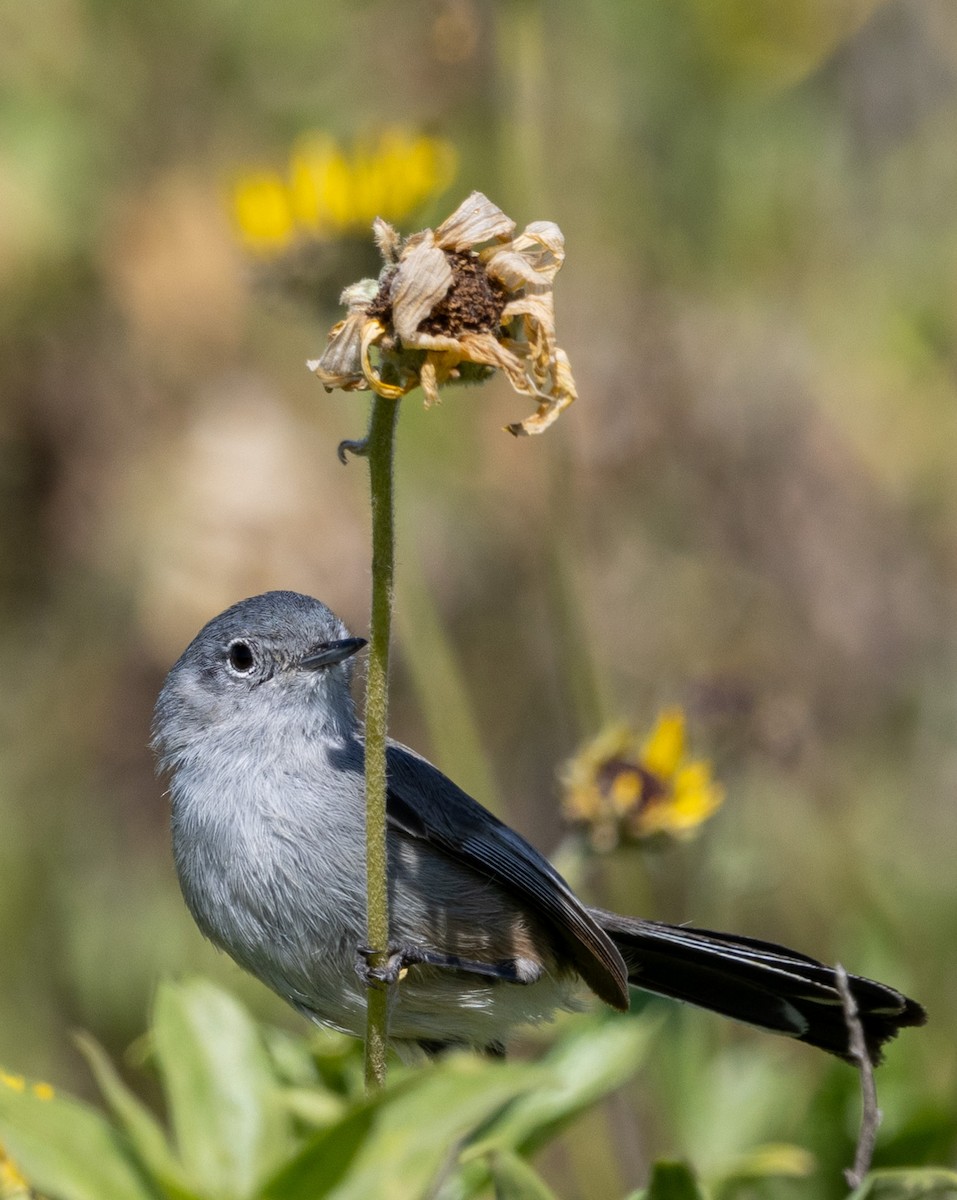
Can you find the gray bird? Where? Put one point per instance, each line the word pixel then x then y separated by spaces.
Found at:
pixel 257 730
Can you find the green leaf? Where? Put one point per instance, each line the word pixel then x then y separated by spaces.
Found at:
pixel 779 1160
pixel 673 1181
pixel 145 1133
pixel 924 1183
pixel 514 1179
pixel 316 1106
pixel 395 1145
pixel 67 1149
pixel 326 1158
pixel 231 1126
pixel 590 1061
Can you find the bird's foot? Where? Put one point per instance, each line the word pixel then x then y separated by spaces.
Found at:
pixel 395 962
pixel 385 969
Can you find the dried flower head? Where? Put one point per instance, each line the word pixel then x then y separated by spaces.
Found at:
pixel 624 788
pixel 456 303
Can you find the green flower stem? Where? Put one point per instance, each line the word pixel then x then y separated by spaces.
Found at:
pixel 380 451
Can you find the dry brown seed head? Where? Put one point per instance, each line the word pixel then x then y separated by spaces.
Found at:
pixel 473 304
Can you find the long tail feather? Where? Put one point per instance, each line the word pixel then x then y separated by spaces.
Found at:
pixel 765 985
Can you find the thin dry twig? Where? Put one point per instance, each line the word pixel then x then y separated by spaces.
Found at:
pixel 870 1113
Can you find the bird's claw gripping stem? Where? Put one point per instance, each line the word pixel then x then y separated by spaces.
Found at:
pixel 397 960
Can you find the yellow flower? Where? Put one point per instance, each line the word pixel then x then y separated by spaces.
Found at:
pixel 16 1083
pixel 456 303
pixel 13 1185
pixel 624 788
pixel 262 211
pixel 330 191
pixel 12 1182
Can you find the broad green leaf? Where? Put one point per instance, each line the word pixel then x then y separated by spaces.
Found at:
pixel 224 1101
pixel 919 1183
pixel 326 1063
pixel 413 1136
pixel 145 1134
pixel 514 1179
pixel 295 1056
pixel 66 1149
pixel 315 1106
pixel 590 1061
pixel 673 1181
pixel 292 1061
pixel 775 1160
pixel 326 1158
pixel 394 1146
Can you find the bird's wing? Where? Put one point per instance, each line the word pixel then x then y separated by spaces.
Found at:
pixel 426 805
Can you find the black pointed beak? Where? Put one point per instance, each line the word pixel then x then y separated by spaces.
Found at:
pixel 327 654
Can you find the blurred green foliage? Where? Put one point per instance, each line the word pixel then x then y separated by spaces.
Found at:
pixel 239 1128
pixel 751 511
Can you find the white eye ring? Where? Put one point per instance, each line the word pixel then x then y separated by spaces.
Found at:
pixel 239 657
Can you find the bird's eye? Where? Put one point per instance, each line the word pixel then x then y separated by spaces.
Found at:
pixel 240 657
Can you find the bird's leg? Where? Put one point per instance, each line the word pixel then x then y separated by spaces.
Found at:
pixel 399 957
pixel 384 975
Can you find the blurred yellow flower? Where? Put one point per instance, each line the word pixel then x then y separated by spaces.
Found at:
pixel 12 1182
pixel 625 788
pixel 263 213
pixel 456 303
pixel 328 191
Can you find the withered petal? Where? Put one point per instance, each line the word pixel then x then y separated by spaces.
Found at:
pixel 434 341
pixel 539 306
pixel 429 381
pixel 488 351
pixel 423 278
pixel 538 324
pixel 340 365
pixel 476 220
pixel 371 333
pixel 563 382
pixel 511 269
pixel 562 394
pixel 543 243
pixel 533 259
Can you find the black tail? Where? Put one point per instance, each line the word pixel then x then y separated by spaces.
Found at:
pixel 765 985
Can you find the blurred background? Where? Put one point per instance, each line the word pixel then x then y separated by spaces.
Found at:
pixel 751 512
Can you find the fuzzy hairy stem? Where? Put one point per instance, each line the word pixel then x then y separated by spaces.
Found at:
pixel 380 446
